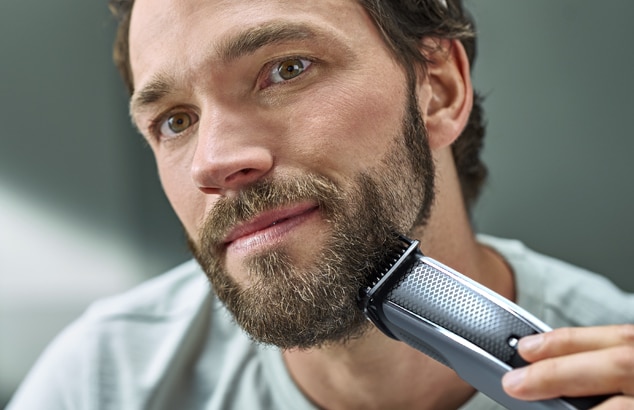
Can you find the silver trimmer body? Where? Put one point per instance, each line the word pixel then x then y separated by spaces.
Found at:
pixel 458 322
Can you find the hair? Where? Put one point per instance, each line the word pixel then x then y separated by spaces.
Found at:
pixel 402 23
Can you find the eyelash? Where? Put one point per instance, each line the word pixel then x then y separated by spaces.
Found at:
pixel 157 123
pixel 269 69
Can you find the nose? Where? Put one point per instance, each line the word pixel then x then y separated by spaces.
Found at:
pixel 231 152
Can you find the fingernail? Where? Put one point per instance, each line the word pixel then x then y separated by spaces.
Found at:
pixel 530 343
pixel 514 378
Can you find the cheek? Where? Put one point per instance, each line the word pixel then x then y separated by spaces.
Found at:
pixel 349 126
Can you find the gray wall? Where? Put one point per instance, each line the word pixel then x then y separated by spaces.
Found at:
pixel 556 76
pixel 66 138
pixel 82 214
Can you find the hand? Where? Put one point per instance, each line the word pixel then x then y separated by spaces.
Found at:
pixel 577 362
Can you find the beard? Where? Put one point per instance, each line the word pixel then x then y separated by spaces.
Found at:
pixel 305 304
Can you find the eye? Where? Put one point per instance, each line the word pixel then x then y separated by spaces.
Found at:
pixel 288 69
pixel 176 124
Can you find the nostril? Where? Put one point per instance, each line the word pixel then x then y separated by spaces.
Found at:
pixel 240 174
pixel 230 168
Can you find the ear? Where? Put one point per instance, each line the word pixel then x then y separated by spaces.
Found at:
pixel 445 92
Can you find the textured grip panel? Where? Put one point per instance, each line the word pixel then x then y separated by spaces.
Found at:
pixel 434 295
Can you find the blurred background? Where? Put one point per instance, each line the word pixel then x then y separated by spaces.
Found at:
pixel 82 214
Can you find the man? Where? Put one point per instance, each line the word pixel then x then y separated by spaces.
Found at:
pixel 293 139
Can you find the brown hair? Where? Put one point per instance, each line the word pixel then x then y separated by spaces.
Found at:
pixel 403 23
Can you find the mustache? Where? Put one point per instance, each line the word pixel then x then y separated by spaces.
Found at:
pixel 262 196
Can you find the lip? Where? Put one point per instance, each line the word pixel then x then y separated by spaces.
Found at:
pixel 275 220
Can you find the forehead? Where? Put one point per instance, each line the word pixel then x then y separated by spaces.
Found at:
pixel 156 16
pixel 178 32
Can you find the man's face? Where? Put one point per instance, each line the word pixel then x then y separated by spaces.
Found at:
pixel 289 144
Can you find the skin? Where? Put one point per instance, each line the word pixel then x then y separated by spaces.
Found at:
pixel 336 118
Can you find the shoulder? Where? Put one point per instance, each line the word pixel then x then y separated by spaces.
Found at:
pixel 169 295
pixel 121 347
pixel 560 293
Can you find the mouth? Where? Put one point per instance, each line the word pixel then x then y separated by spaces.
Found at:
pixel 269 227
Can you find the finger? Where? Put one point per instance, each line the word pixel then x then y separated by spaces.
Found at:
pixel 617 403
pixel 606 371
pixel 565 341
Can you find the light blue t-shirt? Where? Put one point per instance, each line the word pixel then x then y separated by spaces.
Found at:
pixel 170 344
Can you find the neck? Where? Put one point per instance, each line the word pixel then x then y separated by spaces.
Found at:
pixel 449 238
pixel 375 371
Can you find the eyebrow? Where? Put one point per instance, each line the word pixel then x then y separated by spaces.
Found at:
pixel 152 92
pixel 234 47
pixel 249 41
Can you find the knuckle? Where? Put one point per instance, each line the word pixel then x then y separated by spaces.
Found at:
pixel 624 364
pixel 543 373
pixel 624 359
pixel 563 337
pixel 627 333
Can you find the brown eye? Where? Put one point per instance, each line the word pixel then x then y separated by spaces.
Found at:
pixel 175 124
pixel 289 69
pixel 178 122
